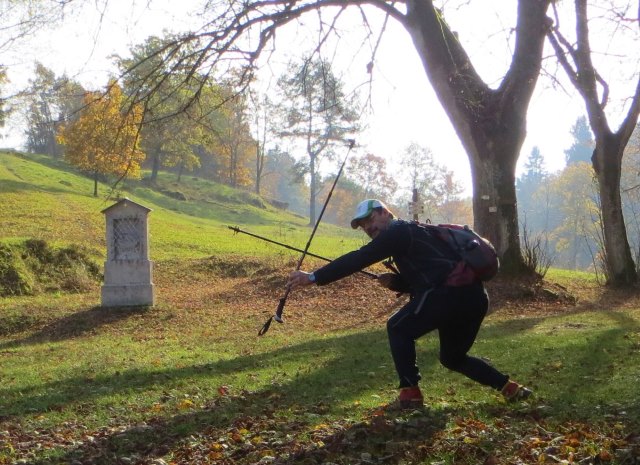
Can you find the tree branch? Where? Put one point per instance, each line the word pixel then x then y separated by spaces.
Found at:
pixel 522 76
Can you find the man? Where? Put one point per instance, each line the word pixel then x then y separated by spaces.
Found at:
pixel 423 264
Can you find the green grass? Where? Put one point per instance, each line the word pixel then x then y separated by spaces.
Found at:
pixel 189 381
pixel 576 362
pixel 45 199
pixel 559 275
pixel 133 366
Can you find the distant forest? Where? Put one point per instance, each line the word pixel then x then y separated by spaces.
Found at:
pixel 560 212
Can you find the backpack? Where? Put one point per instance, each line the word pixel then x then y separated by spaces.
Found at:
pixel 478 257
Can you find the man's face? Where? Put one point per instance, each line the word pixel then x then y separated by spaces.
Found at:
pixel 375 223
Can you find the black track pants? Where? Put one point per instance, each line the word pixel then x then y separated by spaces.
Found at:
pixel 457 313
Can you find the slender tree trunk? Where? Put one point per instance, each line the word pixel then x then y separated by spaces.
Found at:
pixel 232 167
pixel 95 183
pixel 621 269
pixel 313 183
pixel 155 166
pixel 180 170
pixel 607 156
pixel 573 258
pixel 259 165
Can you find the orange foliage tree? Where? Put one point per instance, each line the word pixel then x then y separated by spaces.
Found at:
pixel 370 172
pixel 235 146
pixel 104 140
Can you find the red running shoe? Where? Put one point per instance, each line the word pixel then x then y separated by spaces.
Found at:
pixel 513 391
pixel 410 397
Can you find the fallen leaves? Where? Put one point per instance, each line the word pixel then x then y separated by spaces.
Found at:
pixel 308 435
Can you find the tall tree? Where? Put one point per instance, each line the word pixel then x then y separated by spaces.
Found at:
pixel 281 181
pixel 41 122
pixel 582 147
pixel 425 176
pixel 491 122
pixel 3 82
pixel 534 174
pixel 105 138
pixel 261 109
pixel 370 172
pixel 318 113
pixel 346 196
pixel 577 61
pixel 574 203
pixel 171 128
pixel 452 208
pixel 50 101
pixel 535 170
pixel 232 141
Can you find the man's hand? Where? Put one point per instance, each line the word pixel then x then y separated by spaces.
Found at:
pixel 387 280
pixel 299 278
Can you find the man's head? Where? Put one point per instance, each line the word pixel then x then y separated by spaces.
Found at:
pixel 372 216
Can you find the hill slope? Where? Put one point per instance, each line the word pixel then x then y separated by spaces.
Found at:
pixel 43 198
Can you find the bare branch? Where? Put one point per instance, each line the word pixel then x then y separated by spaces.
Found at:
pixel 629 123
pixel 22 19
pixel 225 43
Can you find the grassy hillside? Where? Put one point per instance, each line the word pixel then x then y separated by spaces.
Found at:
pixel 45 199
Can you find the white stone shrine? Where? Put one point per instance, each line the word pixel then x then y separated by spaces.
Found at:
pixel 128 272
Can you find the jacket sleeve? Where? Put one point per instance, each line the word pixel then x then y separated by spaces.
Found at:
pixel 393 241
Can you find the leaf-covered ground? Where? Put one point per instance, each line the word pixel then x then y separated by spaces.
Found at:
pixel 270 425
pixel 513 436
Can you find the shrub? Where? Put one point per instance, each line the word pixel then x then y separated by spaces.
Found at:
pixel 15 277
pixel 34 267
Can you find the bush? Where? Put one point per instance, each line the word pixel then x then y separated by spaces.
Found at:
pixel 535 252
pixel 34 267
pixel 15 277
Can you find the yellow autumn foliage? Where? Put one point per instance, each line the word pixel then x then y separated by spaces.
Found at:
pixel 105 139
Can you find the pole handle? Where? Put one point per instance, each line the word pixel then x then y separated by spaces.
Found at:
pixel 278 315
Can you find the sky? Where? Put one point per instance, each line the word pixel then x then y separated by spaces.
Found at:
pixel 404 107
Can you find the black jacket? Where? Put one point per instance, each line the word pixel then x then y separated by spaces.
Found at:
pixel 422 259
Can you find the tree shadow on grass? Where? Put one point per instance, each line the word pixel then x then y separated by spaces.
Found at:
pixel 361 351
pixel 294 404
pixel 586 375
pixel 77 324
pixel 284 419
pixel 520 322
pixel 10 185
pixel 572 374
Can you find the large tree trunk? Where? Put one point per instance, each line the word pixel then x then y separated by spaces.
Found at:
pixel 621 269
pixel 494 204
pixel 491 123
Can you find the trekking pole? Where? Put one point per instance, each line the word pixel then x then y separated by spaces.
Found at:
pixel 283 299
pixel 290 247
